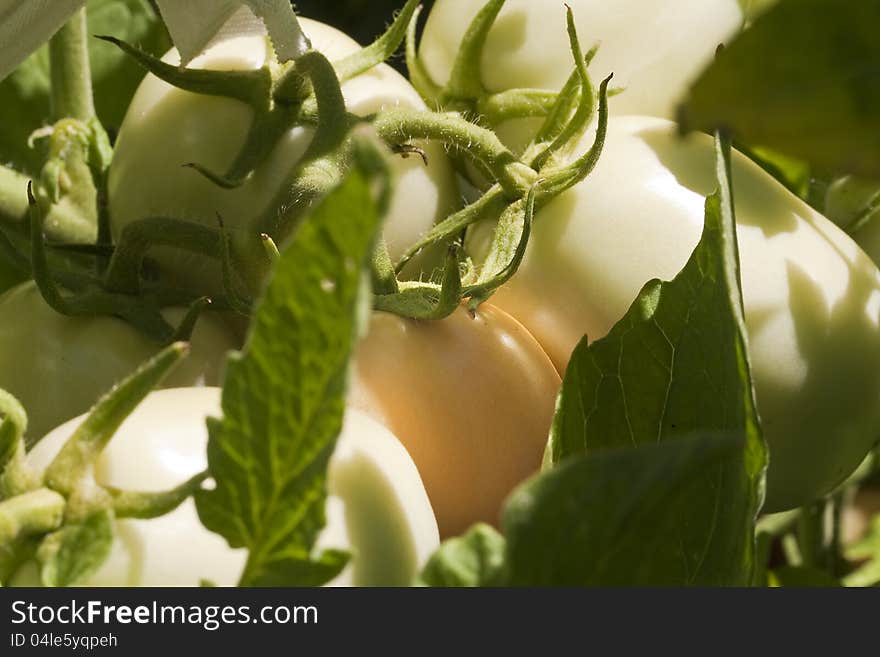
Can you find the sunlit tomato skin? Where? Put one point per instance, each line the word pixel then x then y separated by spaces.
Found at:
pixel 812 297
pixel 59 366
pixel 655 48
pixel 167 128
pixel 471 398
pixel 377 507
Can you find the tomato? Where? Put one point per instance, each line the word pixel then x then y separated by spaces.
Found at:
pixel 812 297
pixel 653 48
pixel 59 366
pixel 167 128
pixel 471 398
pixel 377 507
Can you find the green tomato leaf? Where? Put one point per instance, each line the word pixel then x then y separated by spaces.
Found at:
pixel 115 77
pixel 853 203
pixel 817 101
pixel 626 518
pixel 475 559
pixel 76 551
pixel 284 397
pixel 794 174
pixel 677 366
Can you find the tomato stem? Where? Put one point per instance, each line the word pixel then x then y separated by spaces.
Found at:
pixel 250 87
pixel 508 249
pixel 427 301
pixel 36 512
pixel 123 273
pixel 383 274
pixel 15 476
pixel 482 146
pixel 836 561
pixel 572 130
pixel 489 205
pixel 418 74
pixel 146 506
pixel 381 49
pixel 71 95
pixel 811 534
pixel 466 79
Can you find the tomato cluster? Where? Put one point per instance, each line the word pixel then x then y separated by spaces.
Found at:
pixel 447 416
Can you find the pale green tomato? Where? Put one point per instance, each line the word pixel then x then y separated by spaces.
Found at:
pixel 58 366
pixel 166 128
pixel 377 507
pixel 812 297
pixel 471 398
pixel 655 48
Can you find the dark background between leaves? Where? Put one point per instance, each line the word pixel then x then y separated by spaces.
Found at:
pixel 362 19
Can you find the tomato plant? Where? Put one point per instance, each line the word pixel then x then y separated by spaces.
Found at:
pixel 654 49
pixel 167 128
pixel 641 343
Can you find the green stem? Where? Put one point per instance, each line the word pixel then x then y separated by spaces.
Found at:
pixel 492 203
pixel 384 276
pixel 145 506
pixel 66 223
pixel 381 49
pixel 38 512
pixel 252 87
pixel 70 71
pixel 15 476
pixel 512 236
pixel 764 546
pixel 811 534
pixel 123 273
pixel 792 550
pixel 516 104
pixel 778 524
pixel 418 74
pixel 77 458
pixel 466 79
pixel 427 301
pixel 866 216
pixel 835 548
pixel 401 126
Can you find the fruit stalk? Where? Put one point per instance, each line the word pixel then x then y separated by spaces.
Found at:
pixel 70 71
